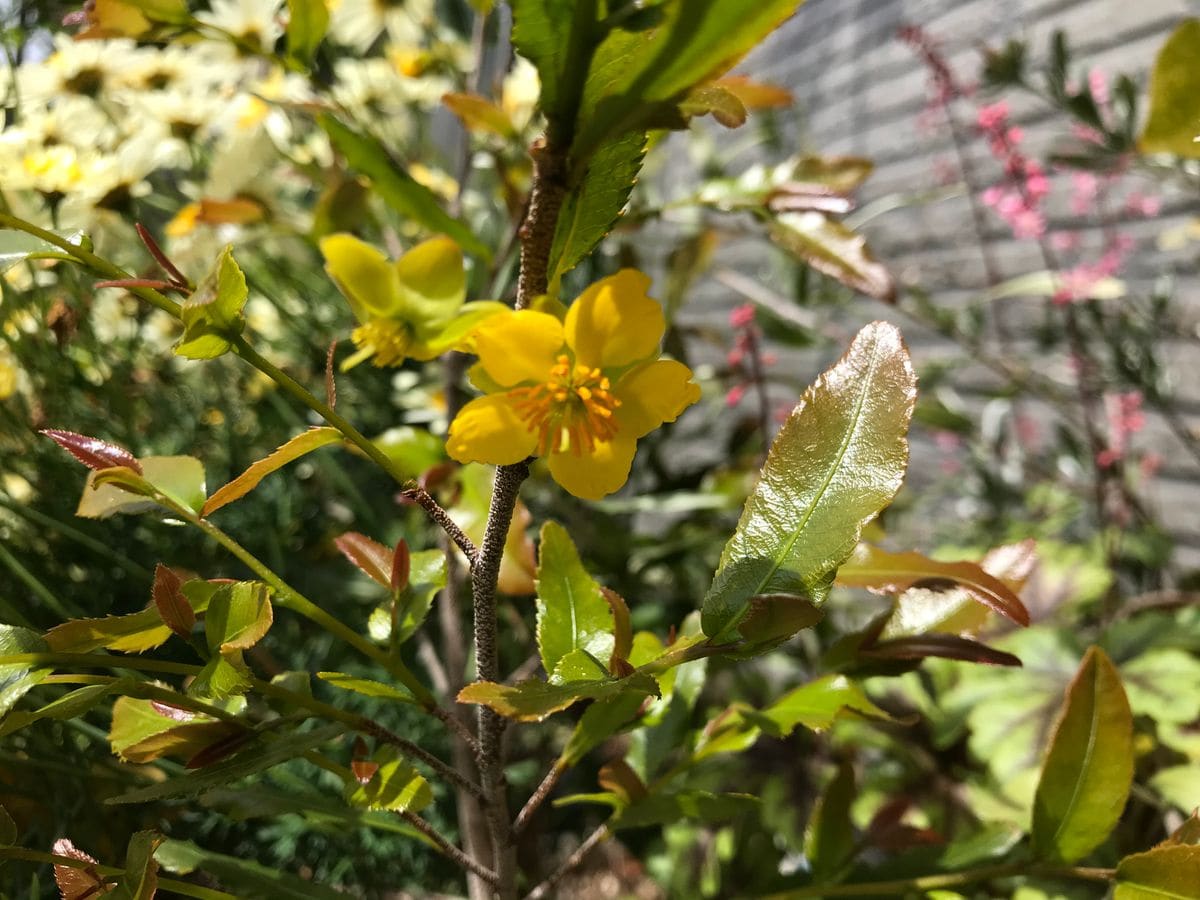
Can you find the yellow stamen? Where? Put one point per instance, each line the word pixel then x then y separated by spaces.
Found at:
pixel 386 339
pixel 571 410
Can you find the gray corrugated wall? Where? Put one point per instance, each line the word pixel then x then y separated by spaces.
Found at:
pixel 860 91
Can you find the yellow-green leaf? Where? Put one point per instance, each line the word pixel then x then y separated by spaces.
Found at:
pixel 367 687
pixel 179 477
pixel 16 679
pixel 212 314
pixel 835 250
pixel 1089 768
pixel 143 730
pixel 815 705
pixel 1174 121
pixel 533 700
pixel 307 22
pixel 303 443
pixel 838 460
pixel 480 114
pixel 1164 873
pixel 396 786
pixel 238 616
pixel 572 613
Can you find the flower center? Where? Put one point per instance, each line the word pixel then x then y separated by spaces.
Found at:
pixel 571 410
pixel 388 339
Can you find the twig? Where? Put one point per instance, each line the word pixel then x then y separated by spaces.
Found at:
pixel 448 848
pixel 455 724
pixel 538 797
pixel 441 518
pixel 380 733
pixel 571 862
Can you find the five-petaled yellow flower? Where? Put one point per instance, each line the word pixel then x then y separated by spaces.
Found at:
pixel 579 391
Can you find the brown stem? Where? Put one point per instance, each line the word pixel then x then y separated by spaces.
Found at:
pixel 386 736
pixel 441 518
pixel 538 797
pixel 571 862
pixel 448 848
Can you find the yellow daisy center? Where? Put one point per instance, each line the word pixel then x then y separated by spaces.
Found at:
pixel 386 339
pixel 571 410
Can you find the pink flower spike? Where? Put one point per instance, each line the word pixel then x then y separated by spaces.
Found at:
pixel 992 116
pixel 741 316
pixel 735 395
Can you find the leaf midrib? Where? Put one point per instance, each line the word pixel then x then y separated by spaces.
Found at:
pixel 1093 730
pixel 833 470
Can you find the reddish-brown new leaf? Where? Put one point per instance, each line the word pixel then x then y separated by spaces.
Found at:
pixel 177 613
pixel 374 559
pixel 93 452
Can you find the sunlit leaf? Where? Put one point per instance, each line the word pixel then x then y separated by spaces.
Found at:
pixel 93 452
pixel 480 114
pixel 838 460
pixel 715 100
pixel 212 314
pixel 238 616
pixel 1089 768
pixel 258 757
pixel 307 21
pixel 16 679
pixel 291 450
pixel 817 704
pixel 18 247
pixel 179 477
pixel 395 786
pixel 367 687
pixel 533 700
pixel 755 94
pixel 224 675
pixel 1174 121
pixel 371 557
pixel 144 730
pixel 572 613
pixel 835 250
pixel 171 602
pixel 1164 873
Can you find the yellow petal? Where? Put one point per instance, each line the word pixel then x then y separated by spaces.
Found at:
pixel 364 275
pixel 521 346
pixel 654 393
pixel 598 473
pixel 614 322
pixel 488 430
pixel 432 280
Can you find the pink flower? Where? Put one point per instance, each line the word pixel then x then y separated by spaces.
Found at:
pixel 992 117
pixel 1065 241
pixel 1145 205
pixel 735 395
pixel 741 316
pixel 1098 85
pixel 1029 223
pixel 1150 465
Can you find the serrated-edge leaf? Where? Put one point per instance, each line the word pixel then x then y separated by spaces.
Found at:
pixel 1163 873
pixel 92 452
pixel 289 451
pixel 171 602
pixel 572 613
pixel 366 686
pixel 249 762
pixel 838 460
pixel 534 700
pixel 1089 768
pixel 371 558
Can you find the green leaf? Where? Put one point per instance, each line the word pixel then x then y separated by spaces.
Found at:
pixel 1178 785
pixel 1089 768
pixel 144 730
pixel 1165 872
pixel 367 687
pixel 838 460
pixel 396 786
pixel 829 841
pixel 17 247
pixel 558 37
pixel 179 477
pixel 684 806
pixel 534 700
pixel 397 188
pixel 835 250
pixel 426 576
pixel 133 633
pixel 238 616
pixel 649 61
pixel 257 757
pixel 140 879
pixel 224 675
pixel 250 880
pixel 1174 120
pixel 596 195
pixel 572 613
pixel 307 22
pixel 170 12
pixel 8 829
pixel 872 567
pixel 69 706
pixel 213 313
pixel 815 705
pixel 578 665
pixel 16 679
pixel 600 721
pixel 291 450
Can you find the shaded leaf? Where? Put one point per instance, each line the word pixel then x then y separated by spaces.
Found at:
pixel 224 675
pixel 715 100
pixel 1164 873
pixel 290 451
pixel 480 114
pixel 140 879
pixel 835 250
pixel 16 679
pixel 533 700
pixel 1089 767
pixel 838 460
pixel 143 731
pixel 872 567
pixel 600 721
pixel 829 841
pixel 250 880
pixel 92 452
pixel 944 646
pixel 171 602
pixel 622 630
pixel 395 785
pixel 367 687
pixel 258 757
pixel 773 618
pixel 684 806
pixel 370 556
pixel 1174 120
pixel 8 829
pixel 78 883
pixel 397 188
pixel 572 613
pixel 17 247
pixel 815 705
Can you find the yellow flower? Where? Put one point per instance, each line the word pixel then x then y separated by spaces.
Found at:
pixel 412 307
pixel 580 391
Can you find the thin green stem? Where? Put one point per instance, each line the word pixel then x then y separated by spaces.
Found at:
pixel 97 661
